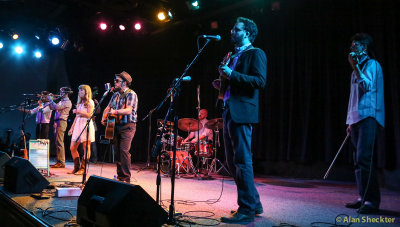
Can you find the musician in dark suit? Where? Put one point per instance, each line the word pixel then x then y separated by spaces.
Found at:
pixel 123 105
pixel 246 74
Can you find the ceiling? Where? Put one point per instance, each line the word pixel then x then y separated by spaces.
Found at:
pixel 78 20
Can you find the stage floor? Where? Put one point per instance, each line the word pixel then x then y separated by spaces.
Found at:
pixel 293 201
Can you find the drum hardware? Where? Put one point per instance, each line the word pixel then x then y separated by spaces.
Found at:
pixel 161 121
pixel 215 125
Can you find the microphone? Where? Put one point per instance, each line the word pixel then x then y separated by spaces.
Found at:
pixel 357 54
pixel 214 37
pixel 107 86
pixel 29 94
pixel 108 89
pixel 185 78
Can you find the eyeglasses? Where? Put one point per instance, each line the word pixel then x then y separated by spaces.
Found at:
pixel 117 81
pixel 236 29
pixel 356 44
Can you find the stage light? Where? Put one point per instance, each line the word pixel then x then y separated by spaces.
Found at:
pixel 193 4
pixel 169 14
pixel 138 26
pixel 161 16
pixel 55 40
pixel 15 36
pixel 121 27
pixel 38 54
pixel 37 37
pixel 18 50
pixel 164 15
pixel 1 45
pixel 103 26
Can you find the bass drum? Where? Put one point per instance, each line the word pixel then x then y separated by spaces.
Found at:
pixel 165 162
pixel 182 161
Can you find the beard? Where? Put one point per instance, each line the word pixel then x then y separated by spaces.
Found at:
pixel 237 39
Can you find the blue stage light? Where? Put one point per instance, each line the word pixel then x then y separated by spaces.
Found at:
pixel 55 40
pixel 18 50
pixel 38 54
pixel 1 45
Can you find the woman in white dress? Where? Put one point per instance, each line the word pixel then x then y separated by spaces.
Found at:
pixel 83 111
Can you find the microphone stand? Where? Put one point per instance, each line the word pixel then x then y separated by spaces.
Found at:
pixel 87 135
pixel 197 174
pixel 174 91
pixel 24 115
pixel 148 141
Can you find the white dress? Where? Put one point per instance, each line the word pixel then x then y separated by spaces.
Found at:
pixel 80 123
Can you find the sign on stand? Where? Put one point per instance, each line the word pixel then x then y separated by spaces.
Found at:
pixel 39 154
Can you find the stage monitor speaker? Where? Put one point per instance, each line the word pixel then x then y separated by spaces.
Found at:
pixel 21 177
pixel 106 202
pixel 3 159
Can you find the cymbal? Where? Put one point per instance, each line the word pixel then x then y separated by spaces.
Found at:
pixel 161 121
pixel 214 124
pixel 188 124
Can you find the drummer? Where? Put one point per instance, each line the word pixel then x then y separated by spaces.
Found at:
pixel 205 133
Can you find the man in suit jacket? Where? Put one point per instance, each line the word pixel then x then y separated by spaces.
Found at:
pixel 246 74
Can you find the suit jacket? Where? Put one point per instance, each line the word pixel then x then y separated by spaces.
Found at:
pixel 246 80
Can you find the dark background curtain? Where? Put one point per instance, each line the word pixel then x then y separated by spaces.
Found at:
pixel 304 105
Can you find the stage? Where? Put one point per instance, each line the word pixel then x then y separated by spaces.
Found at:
pixel 297 202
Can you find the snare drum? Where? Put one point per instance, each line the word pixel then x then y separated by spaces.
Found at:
pixel 205 148
pixel 186 146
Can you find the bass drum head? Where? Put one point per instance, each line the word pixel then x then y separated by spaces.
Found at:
pixel 165 162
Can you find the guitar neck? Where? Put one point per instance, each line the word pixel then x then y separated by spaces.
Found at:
pixel 223 80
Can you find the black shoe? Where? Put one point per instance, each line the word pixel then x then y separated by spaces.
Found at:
pixel 257 211
pixel 368 209
pixel 58 165
pixel 354 205
pixel 125 180
pixel 238 217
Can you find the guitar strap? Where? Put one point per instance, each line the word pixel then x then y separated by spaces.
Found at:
pixel 123 96
pixel 120 98
pixel 241 52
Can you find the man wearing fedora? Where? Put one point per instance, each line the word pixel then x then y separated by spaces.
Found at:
pixel 123 105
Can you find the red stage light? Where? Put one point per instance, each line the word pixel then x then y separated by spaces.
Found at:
pixel 103 26
pixel 138 26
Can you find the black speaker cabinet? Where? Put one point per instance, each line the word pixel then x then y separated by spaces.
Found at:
pixel 106 202
pixel 21 177
pixel 3 159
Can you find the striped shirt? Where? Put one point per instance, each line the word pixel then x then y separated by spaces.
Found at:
pixel 130 99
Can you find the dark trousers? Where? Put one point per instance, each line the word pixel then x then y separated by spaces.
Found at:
pixel 237 140
pixel 122 144
pixel 363 136
pixel 42 131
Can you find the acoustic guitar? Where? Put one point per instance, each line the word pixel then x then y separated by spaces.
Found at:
pixel 111 120
pixel 222 79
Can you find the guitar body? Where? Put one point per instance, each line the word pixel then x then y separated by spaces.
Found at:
pixel 109 132
pixel 25 150
pixel 112 119
pixel 223 80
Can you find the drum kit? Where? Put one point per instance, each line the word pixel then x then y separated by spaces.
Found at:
pixel 203 149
